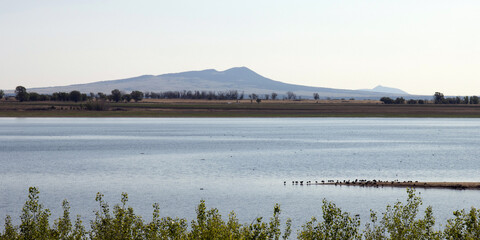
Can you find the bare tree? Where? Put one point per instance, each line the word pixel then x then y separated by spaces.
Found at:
pixel 274 95
pixel 291 95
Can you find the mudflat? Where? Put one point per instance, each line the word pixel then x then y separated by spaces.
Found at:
pixel 410 184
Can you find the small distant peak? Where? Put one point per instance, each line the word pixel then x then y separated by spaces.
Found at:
pixel 243 70
pixel 238 69
pixel 381 88
pixel 209 70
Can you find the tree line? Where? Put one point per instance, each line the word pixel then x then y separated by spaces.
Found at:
pixel 217 95
pixel 401 100
pixel 116 95
pixel 399 221
pixel 438 98
pixel 210 95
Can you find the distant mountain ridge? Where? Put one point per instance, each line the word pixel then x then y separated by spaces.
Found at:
pixel 238 78
pixel 383 89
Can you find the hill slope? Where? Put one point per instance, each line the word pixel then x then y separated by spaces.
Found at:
pixel 239 78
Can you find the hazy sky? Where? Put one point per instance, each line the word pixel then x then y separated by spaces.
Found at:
pixel 419 46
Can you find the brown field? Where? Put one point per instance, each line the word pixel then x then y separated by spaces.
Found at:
pixel 247 101
pixel 244 108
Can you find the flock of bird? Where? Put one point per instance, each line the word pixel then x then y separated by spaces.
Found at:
pixel 347 182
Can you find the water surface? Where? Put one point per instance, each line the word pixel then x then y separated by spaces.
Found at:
pixel 239 163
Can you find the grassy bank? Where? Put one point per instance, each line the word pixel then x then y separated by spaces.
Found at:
pixel 241 109
pixel 399 221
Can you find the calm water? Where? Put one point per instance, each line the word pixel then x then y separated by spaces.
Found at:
pixel 239 163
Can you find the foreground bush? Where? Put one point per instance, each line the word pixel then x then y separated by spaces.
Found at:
pixel 399 221
pixel 122 223
pixel 335 225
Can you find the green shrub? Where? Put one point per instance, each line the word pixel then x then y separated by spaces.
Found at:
pixel 399 221
pixel 465 225
pixel 34 218
pixel 335 225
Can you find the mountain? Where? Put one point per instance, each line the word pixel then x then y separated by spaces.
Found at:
pixel 238 78
pixel 383 89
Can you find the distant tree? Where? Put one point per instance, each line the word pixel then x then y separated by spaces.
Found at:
pixel 210 95
pixel 458 100
pixel 438 98
pixel 449 101
pixel 400 100
pixel 60 96
pixel 44 97
pixel 387 100
pixel 291 95
pixel 412 101
pixel 252 97
pixel 2 94
pixel 274 95
pixel 33 96
pixel 316 96
pixel 154 95
pixel 258 100
pixel 92 95
pixel 126 97
pixel 466 100
pixel 267 96
pixel 147 94
pixel 241 96
pixel 116 95
pixel 75 96
pixel 421 101
pixel 136 95
pixel 474 100
pixel 21 93
pixel 101 96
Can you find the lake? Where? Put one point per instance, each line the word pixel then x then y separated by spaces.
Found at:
pixel 234 163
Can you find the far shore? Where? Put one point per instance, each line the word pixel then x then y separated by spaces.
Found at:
pixel 243 108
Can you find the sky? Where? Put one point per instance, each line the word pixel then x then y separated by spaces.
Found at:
pixel 418 46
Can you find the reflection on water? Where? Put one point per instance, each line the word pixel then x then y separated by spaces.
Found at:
pixel 239 163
